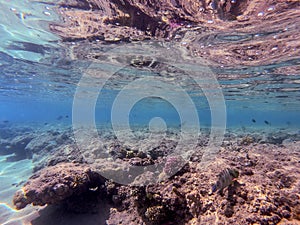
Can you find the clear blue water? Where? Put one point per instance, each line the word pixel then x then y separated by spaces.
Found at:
pixel 39 83
pixel 40 93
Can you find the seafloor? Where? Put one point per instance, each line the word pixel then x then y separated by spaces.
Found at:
pixel 70 184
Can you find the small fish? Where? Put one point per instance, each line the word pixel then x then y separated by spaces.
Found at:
pixel 225 178
pixel 59 118
pixel 67 116
pixel 253 121
pixel 267 122
pixel 93 189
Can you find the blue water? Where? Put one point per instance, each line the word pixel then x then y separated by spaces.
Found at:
pixel 41 93
pixel 28 111
pixel 38 92
pixel 40 99
pixel 48 86
pixel 38 82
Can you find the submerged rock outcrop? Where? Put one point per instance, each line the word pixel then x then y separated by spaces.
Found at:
pixel 54 184
pixel 266 192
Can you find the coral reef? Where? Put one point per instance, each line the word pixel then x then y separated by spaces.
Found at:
pixel 266 192
pixel 13 140
pixel 266 195
pixel 56 183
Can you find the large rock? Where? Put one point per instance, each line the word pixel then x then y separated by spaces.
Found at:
pixel 16 146
pixel 54 184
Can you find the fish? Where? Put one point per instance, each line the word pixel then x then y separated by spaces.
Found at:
pixel 93 189
pixel 225 179
pixel 267 122
pixel 253 121
pixel 59 117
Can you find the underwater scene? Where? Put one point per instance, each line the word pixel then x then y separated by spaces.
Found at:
pixel 149 112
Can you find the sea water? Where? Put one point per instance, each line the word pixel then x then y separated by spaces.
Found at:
pixel 38 90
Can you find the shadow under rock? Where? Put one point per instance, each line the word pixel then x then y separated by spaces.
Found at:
pixel 231 199
pixel 59 215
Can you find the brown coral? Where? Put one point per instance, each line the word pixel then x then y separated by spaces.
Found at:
pixel 56 183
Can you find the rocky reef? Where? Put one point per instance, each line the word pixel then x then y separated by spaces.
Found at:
pixel 266 191
pixel 57 183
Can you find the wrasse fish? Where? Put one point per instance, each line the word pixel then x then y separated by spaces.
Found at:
pixel 225 178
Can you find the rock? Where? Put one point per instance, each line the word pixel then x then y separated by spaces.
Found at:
pixel 16 146
pixel 277 138
pixel 155 213
pixel 130 216
pixel 265 193
pixel 247 172
pixel 285 214
pixel 173 165
pixel 56 183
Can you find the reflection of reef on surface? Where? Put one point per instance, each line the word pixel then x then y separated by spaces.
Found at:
pixel 226 33
pixel 266 192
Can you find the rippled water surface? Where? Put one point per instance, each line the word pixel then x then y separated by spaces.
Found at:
pixel 88 64
pixel 257 69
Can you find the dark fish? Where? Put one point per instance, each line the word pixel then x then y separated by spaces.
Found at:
pixel 67 116
pixel 5 121
pixel 243 128
pixel 253 121
pixel 225 178
pixel 59 118
pixel 45 123
pixel 267 122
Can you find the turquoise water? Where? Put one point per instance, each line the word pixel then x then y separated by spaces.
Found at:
pixel 38 81
pixel 41 87
pixel 35 92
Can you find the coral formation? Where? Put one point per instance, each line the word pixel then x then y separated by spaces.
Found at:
pixel 56 183
pixel 266 192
